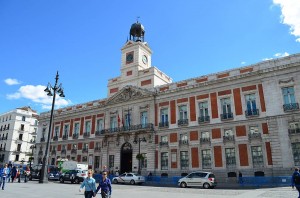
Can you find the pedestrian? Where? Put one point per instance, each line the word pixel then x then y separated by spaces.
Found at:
pixel 150 176
pixel 4 174
pixel 241 178
pixel 296 180
pixel 26 173
pixel 105 169
pixel 9 173
pixel 13 173
pixel 89 184
pixel 19 173
pixel 104 186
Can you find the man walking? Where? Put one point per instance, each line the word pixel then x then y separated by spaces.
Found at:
pixel 296 180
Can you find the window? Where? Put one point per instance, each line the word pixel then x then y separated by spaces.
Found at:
pixel 251 105
pixel 288 95
pixel 22 127
pixel 111 161
pixel 127 119
pixel 144 160
pixel 66 130
pixel 294 127
pixel 257 157
pixel 206 158
pixel 88 126
pixel 205 137
pixel 164 161
pixel 97 162
pixel 85 146
pixel 17 158
pixel 144 119
pixel 23 118
pixel 203 112
pixel 296 153
pixel 113 122
pixel 76 128
pixel 164 117
pixel 230 156
pixel 164 139
pixel 184 160
pixel 226 108
pixel 56 131
pixel 100 125
pixel 228 132
pixel 253 129
pixel 183 139
pixel 74 146
pixel 19 147
pixel 182 112
pixel 20 136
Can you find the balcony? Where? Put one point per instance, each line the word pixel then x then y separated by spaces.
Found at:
pixel 290 107
pixel 203 119
pixel 254 136
pixel 228 138
pixel 43 139
pixel 85 150
pixel 74 151
pixel 40 152
pixel 252 112
pixel 230 162
pixel 131 128
pixel 86 134
pixel 165 143
pixel 163 124
pixel 75 136
pixel 183 122
pixel 99 133
pixel 53 152
pixel 55 138
pixel 63 151
pixel 205 140
pixel 183 142
pixel 65 137
pixel 294 131
pixel 97 149
pixel 226 116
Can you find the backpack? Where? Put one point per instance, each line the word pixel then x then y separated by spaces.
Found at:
pixel 296 178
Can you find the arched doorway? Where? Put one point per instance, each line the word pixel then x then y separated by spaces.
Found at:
pixel 126 157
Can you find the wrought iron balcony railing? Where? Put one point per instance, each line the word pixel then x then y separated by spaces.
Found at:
pixel 85 150
pixel 133 128
pixel 165 143
pixel 226 116
pixel 55 138
pixel 74 151
pixel 203 119
pixel 97 149
pixel 164 124
pixel 63 151
pixel 252 112
pixel 43 139
pixel 75 136
pixel 65 137
pixel 183 122
pixel 183 142
pixel 291 107
pixel 204 140
pixel 99 133
pixel 253 136
pixel 228 138
pixel 294 131
pixel 86 134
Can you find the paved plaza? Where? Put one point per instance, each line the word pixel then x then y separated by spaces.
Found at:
pixel 33 189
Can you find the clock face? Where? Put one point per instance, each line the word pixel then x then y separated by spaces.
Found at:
pixel 145 59
pixel 129 58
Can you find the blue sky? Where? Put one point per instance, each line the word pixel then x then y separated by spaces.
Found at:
pixel 82 40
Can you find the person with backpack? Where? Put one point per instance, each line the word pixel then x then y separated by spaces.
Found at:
pixel 296 180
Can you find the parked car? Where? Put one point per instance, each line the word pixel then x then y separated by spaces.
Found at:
pixel 36 171
pixel 74 176
pixel 129 178
pixel 54 175
pixel 198 179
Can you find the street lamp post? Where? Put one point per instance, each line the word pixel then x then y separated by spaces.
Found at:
pixel 31 157
pixel 51 91
pixel 139 140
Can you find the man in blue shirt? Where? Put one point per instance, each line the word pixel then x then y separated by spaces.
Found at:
pixel 105 186
pixel 4 174
pixel 296 180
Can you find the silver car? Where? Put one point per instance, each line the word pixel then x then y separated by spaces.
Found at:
pixel 198 179
pixel 129 178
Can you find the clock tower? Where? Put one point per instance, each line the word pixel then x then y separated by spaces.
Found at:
pixel 136 66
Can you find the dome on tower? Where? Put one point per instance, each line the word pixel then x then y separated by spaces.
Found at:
pixel 137 32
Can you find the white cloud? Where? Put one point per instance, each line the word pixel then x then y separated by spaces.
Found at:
pixel 277 55
pixel 243 63
pixel 37 95
pixel 11 81
pixel 290 15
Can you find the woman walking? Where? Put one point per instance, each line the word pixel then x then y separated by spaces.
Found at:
pixel 89 184
pixel 105 186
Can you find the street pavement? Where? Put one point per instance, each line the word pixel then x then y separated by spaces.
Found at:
pixel 33 189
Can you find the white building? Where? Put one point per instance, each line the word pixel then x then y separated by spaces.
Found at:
pixel 18 130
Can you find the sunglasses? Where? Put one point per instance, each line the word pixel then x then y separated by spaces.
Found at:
pixel 104 174
pixel 89 173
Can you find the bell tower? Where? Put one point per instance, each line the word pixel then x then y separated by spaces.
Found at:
pixel 136 66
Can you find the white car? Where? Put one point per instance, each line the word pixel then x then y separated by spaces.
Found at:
pixel 198 179
pixel 129 178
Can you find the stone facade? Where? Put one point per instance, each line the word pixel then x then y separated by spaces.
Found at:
pixel 241 120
